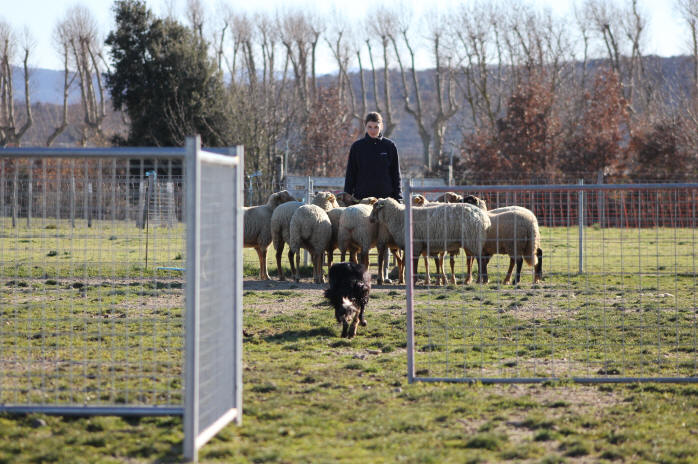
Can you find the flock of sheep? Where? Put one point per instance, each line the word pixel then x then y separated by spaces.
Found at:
pixel 342 222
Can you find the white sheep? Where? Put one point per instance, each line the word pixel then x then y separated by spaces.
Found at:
pixel 345 200
pixel 310 228
pixel 257 227
pixel 443 227
pixel 514 232
pixel 356 233
pixel 281 223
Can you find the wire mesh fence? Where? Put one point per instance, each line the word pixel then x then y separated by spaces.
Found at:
pixel 617 303
pixel 88 317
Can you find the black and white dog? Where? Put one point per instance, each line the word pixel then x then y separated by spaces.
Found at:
pixel 350 285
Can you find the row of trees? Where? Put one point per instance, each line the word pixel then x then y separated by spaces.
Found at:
pixel 508 89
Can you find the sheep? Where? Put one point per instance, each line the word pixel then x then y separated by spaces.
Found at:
pixel 350 285
pixel 448 197
pixel 518 242
pixel 420 200
pixel 335 216
pixel 257 227
pixel 513 231
pixel 444 227
pixel 311 229
pixel 280 227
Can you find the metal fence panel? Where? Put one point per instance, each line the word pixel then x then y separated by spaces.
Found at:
pixel 93 255
pixel 214 325
pixel 88 322
pixel 617 303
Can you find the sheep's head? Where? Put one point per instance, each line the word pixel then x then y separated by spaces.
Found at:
pixel 346 199
pixel 368 200
pixel 473 200
pixel 450 197
pixel 275 199
pixel 376 212
pixel 418 199
pixel 325 200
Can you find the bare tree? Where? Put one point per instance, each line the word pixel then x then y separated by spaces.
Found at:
pixel 688 9
pixel 10 132
pixel 431 121
pixel 300 34
pixel 62 40
pixel 195 15
pixel 80 31
pixel 622 32
pixel 382 26
pixel 475 29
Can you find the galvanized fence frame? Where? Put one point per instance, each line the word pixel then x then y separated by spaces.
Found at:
pixel 196 343
pixel 683 213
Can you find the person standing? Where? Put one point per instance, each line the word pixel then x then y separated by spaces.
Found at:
pixel 373 168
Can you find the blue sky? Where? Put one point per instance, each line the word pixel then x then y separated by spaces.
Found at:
pixel 666 34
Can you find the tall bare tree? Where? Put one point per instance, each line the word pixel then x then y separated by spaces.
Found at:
pixel 431 120
pixel 10 131
pixel 688 9
pixel 87 61
pixel 381 26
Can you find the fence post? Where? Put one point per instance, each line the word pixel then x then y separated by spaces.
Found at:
pixel 308 200
pixel 409 280
pixel 30 193
pixel 580 213
pixel 601 201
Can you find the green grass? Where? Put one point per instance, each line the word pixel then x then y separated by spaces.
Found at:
pixel 310 396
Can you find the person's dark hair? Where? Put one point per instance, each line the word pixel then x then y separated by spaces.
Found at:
pixel 373 116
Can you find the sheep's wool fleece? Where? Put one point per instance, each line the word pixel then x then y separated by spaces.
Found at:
pixel 310 228
pixel 442 227
pixel 513 231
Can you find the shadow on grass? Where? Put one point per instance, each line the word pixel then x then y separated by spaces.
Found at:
pixel 295 335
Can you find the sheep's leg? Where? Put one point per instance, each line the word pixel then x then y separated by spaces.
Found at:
pixel 381 274
pixel 317 268
pixel 519 262
pixel 538 275
pixel 482 269
pixel 330 257
pixel 469 275
pixel 297 274
pixel 291 261
pixel 353 256
pixel 343 254
pixel 279 254
pixel 262 255
pixel 364 258
pixel 452 261
pixel 442 277
pixel 507 278
pixel 400 266
pixel 438 263
pixel 345 329
pixel 415 263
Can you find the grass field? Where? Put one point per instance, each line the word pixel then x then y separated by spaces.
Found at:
pixel 310 396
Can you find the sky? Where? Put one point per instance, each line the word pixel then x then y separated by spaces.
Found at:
pixel 666 35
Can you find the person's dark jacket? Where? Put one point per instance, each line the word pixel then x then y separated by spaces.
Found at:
pixel 373 169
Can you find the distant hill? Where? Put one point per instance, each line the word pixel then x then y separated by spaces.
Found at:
pixel 45 86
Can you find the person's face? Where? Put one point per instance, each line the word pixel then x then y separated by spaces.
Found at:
pixel 373 129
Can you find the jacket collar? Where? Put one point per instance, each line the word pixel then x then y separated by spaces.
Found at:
pixel 369 138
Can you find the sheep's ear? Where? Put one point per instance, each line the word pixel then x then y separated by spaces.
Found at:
pixel 332 197
pixel 372 201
